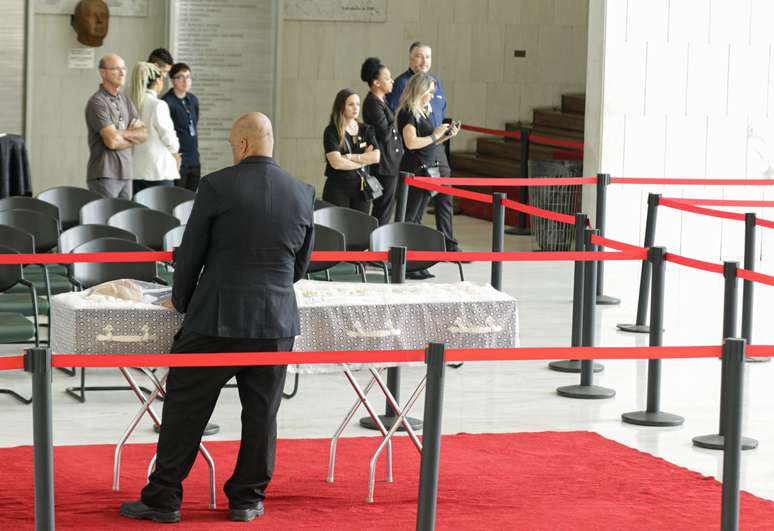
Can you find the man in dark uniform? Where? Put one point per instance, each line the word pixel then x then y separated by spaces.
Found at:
pixel 250 236
pixel 420 60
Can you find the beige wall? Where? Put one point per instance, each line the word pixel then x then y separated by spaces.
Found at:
pixel 57 136
pixel 473 43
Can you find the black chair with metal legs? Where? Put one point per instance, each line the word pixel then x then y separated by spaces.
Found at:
pixel 15 327
pixel 413 237
pixel 80 234
pixel 98 211
pixel 45 230
pixel 31 203
pixel 69 200
pixel 150 226
pixel 355 225
pixel 90 274
pixel 163 198
pixel 328 239
pixel 183 211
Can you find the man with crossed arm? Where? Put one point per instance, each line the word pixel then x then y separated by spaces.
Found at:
pixel 114 127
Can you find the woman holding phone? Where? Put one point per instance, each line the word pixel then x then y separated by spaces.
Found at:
pixel 378 115
pixel 350 147
pixel 425 155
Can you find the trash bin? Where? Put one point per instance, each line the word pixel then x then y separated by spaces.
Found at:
pixel 564 199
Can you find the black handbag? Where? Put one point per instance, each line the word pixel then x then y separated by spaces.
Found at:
pixel 370 186
pixel 429 171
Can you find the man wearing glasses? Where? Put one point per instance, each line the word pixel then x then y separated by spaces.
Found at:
pixel 184 108
pixel 114 127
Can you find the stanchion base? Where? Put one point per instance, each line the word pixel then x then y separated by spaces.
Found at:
pixel 368 422
pixel 573 366
pixel 607 300
pixel 518 231
pixel 757 359
pixel 717 442
pixel 652 418
pixel 586 392
pixel 634 328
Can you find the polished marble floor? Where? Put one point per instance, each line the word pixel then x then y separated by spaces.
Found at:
pixel 504 396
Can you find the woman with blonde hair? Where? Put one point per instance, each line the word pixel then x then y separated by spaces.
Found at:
pixel 424 155
pixel 350 147
pixel 157 161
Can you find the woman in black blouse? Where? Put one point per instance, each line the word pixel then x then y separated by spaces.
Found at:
pixel 378 115
pixel 425 154
pixel 349 147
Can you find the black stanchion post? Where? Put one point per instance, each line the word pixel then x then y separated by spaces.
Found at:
pixel 397 259
pixel 498 237
pixel 521 227
pixel 603 180
pixel 750 226
pixel 402 197
pixel 38 362
pixel 733 356
pixel 639 326
pixel 717 441
pixel 653 416
pixel 431 439
pixel 574 366
pixel 587 389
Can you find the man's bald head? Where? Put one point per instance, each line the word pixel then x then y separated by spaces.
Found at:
pixel 251 135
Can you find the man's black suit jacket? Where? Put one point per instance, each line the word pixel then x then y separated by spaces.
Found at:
pixel 250 237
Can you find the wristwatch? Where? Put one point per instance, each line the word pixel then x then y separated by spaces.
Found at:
pixel 433 138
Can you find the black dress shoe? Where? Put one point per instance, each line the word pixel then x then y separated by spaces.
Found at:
pixel 422 274
pixel 139 511
pixel 246 515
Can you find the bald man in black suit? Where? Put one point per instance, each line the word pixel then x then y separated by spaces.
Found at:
pixel 250 237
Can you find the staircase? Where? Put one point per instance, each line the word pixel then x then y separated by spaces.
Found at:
pixel 501 157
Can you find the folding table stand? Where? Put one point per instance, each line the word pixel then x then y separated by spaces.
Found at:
pixel 146 408
pixel 362 399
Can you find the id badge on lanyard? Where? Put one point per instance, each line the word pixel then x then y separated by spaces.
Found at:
pixel 191 126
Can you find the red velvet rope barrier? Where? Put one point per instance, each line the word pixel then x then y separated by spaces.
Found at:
pixel 487 131
pixel 723 202
pixel 539 212
pixel 692 181
pixel 505 181
pixel 73 258
pixel 426 185
pixel 755 276
pixel 615 244
pixel 685 207
pixel 530 256
pixel 229 359
pixel 693 263
pixel 9 363
pixel 762 351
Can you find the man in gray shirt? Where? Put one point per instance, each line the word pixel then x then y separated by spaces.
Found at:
pixel 114 127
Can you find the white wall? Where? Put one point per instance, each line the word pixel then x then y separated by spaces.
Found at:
pixel 683 89
pixel 57 136
pixel 473 43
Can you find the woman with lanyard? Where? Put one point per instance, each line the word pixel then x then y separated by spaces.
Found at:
pixel 424 150
pixel 350 147
pixel 378 115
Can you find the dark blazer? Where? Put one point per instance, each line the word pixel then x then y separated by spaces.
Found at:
pixel 380 117
pixel 252 230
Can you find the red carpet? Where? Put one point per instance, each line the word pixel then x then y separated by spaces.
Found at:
pixel 523 481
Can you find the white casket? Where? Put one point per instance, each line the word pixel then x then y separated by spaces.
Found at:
pixel 334 316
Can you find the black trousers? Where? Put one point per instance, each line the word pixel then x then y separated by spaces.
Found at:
pixel 384 205
pixel 189 177
pixel 416 204
pixel 191 396
pixel 345 193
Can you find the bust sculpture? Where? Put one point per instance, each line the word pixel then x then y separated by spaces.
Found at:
pixel 90 21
